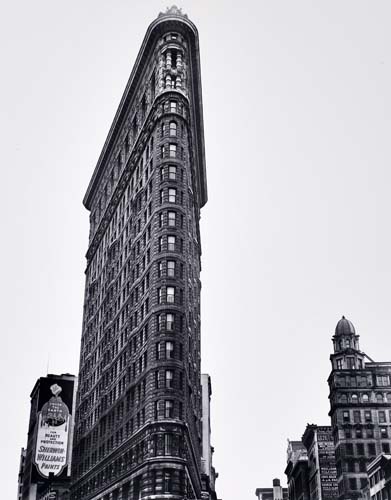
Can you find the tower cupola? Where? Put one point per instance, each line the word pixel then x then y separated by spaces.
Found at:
pixel 347 354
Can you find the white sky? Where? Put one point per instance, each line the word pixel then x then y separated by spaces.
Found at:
pixel 296 232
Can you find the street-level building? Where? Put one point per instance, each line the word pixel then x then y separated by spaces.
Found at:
pixel 379 478
pixel 360 410
pixel 297 471
pixel 274 493
pixel 21 473
pixel 138 430
pixel 48 454
pixel 322 472
pixel 209 474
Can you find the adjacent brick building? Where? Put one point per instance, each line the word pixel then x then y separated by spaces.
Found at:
pixel 379 478
pixel 360 410
pixel 139 409
pixel 322 474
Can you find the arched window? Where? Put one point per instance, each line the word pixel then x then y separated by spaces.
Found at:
pixel 389 397
pixel 347 343
pixel 379 397
pixel 365 398
pixel 354 398
pixel 340 345
pixel 173 129
pixel 343 398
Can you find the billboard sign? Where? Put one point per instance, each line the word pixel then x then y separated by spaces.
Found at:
pixel 52 433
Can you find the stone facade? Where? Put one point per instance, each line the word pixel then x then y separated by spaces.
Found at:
pixel 379 478
pixel 360 410
pixel 297 471
pixel 138 431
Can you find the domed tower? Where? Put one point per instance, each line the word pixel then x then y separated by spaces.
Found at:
pixel 360 410
pixel 347 354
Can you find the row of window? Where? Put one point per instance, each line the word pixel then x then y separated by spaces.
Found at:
pixel 361 449
pixel 360 433
pixel 358 449
pixel 365 398
pixel 349 363
pixel 365 416
pixel 366 380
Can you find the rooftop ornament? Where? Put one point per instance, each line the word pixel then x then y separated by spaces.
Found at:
pixel 173 11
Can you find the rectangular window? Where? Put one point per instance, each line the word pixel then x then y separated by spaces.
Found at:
pixel 170 294
pixel 168 444
pixel 171 243
pixel 170 322
pixel 368 416
pixel 360 449
pixel 173 129
pixel 383 432
pixel 172 150
pixel 346 417
pixel 371 449
pixel 356 416
pixel 169 379
pixel 386 448
pixel 173 106
pixel 169 350
pixel 172 195
pixel 382 380
pixel 160 295
pixel 171 268
pixel 168 409
pixel 382 417
pixel 349 448
pixel 172 172
pixel 172 219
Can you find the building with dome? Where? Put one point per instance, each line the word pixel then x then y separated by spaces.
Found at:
pixel 360 410
pixel 139 428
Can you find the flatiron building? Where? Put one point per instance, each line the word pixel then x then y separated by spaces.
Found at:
pixel 138 427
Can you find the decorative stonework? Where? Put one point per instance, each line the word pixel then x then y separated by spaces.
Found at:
pixel 173 11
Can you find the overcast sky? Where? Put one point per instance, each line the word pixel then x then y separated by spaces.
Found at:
pixel 296 232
